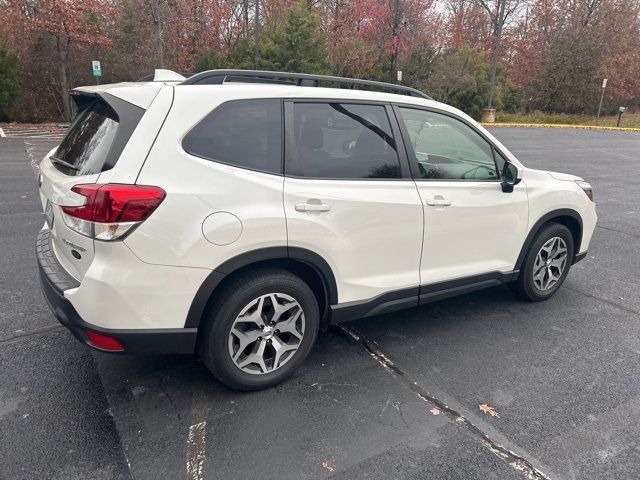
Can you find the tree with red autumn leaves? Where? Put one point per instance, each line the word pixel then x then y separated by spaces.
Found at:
pixel 63 26
pixel 549 55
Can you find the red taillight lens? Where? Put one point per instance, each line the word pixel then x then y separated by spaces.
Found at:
pixel 115 203
pixel 111 210
pixel 104 342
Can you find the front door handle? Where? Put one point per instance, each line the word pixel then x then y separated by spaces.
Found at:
pixel 438 201
pixel 312 207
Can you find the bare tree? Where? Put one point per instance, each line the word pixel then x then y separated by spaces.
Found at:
pixel 256 34
pixel 158 15
pixel 500 13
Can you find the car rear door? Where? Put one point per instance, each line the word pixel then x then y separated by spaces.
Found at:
pixel 349 198
pixel 472 229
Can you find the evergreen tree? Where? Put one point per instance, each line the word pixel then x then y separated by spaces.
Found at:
pixel 10 83
pixel 295 46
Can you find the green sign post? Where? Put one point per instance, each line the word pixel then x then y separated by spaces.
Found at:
pixel 97 72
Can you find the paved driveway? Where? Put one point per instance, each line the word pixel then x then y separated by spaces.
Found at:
pixel 396 396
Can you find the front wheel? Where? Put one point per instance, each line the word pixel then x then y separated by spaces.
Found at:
pixel 259 329
pixel 546 265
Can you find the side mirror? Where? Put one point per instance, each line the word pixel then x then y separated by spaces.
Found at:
pixel 511 176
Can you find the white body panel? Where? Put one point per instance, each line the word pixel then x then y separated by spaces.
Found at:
pixel 547 193
pixel 197 188
pixel 120 291
pixel 481 231
pixel 371 236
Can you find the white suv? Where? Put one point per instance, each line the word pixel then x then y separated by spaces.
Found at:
pixel 235 213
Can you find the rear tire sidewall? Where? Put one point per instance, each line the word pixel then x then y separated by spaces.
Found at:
pixel 528 289
pixel 216 352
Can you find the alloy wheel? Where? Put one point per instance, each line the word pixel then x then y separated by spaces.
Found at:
pixel 550 264
pixel 266 334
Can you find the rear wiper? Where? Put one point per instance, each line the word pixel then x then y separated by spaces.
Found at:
pixel 63 163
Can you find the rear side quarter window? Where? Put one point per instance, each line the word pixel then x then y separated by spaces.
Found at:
pixel 242 133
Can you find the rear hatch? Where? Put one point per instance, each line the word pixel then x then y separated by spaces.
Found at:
pixel 92 145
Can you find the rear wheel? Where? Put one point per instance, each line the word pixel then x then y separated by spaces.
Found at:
pixel 546 265
pixel 259 329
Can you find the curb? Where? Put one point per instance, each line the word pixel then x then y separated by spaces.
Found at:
pixel 559 125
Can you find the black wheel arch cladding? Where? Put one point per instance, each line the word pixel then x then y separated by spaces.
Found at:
pixel 284 257
pixel 565 216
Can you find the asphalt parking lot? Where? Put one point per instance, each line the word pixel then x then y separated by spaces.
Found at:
pixel 394 397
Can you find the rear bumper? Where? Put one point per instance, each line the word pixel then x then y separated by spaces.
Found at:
pixel 55 280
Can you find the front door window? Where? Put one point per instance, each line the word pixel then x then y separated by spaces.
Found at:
pixel 446 148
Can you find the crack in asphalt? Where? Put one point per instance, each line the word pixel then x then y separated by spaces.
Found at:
pixel 618 231
pixel 514 460
pixel 604 300
pixel 31 333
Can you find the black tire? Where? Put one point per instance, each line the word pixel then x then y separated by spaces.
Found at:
pixel 525 286
pixel 237 293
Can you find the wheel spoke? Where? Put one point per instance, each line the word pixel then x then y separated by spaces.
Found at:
pixel 255 358
pixel 256 313
pixel 244 338
pixel 290 325
pixel 280 309
pixel 280 348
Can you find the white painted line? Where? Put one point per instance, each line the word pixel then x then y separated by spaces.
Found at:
pixel 196 451
pixel 2 133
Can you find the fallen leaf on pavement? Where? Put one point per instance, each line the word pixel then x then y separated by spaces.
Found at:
pixel 484 408
pixel 327 466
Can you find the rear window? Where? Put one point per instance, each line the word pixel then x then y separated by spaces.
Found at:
pixel 84 149
pixel 243 133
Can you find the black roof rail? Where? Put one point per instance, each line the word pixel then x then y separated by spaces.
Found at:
pixel 218 77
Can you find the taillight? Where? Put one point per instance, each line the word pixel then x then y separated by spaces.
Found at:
pixel 112 210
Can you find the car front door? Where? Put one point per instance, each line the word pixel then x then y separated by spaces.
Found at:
pixel 349 197
pixel 473 231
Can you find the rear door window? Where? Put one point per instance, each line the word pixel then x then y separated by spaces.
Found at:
pixel 243 133
pixel 341 141
pixel 85 147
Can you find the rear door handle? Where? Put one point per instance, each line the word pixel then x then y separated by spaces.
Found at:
pixel 438 201
pixel 312 207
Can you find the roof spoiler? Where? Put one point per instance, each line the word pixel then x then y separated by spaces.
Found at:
pixel 164 75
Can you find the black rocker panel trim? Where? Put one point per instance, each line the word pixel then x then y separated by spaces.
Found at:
pixel 383 303
pixel 437 291
pixel 563 212
pixel 412 297
pixel 212 281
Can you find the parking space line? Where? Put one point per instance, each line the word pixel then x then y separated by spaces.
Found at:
pixel 196 439
pixel 196 443
pixel 517 462
pixel 2 134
